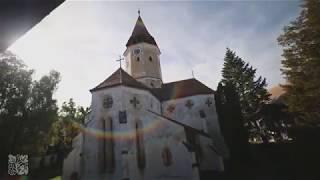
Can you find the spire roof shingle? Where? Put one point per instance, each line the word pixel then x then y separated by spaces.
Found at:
pixel 140 34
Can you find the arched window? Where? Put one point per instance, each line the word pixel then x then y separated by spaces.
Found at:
pixel 150 58
pixel 138 58
pixel 107 101
pixel 140 145
pixel 109 146
pixel 106 157
pixel 102 147
pixel 166 156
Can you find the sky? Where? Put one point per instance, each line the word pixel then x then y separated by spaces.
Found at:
pixel 83 39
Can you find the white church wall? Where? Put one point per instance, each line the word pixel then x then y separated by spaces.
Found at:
pixel 89 157
pixel 191 116
pixel 95 136
pixel 157 134
pixel 167 135
pixel 71 164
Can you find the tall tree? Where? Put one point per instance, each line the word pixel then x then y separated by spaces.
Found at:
pixel 27 108
pixel 252 91
pixel 15 81
pixel 70 111
pixel 71 118
pixel 301 63
pixel 233 130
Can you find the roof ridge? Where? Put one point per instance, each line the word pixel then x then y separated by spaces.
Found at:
pixel 106 79
pixel 180 81
pixel 172 90
pixel 114 79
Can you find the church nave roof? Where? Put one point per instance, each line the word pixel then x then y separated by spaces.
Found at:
pixel 172 90
pixel 114 80
pixel 180 89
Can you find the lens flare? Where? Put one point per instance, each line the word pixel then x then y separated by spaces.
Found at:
pixel 124 134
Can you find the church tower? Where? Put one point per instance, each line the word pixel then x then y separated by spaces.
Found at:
pixel 142 57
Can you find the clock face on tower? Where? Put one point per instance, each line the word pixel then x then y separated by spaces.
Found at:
pixel 137 51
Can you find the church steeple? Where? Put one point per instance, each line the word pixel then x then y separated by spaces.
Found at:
pixel 140 34
pixel 142 56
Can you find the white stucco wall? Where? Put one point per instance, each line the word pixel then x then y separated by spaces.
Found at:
pixel 158 133
pixel 209 124
pixel 71 163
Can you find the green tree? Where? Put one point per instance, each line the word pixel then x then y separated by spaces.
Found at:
pixel 71 118
pixel 233 130
pixel 15 84
pixel 252 91
pixel 70 111
pixel 41 111
pixel 27 108
pixel 277 120
pixel 301 63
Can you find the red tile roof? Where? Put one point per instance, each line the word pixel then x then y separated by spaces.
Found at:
pixel 114 80
pixel 173 90
pixel 180 89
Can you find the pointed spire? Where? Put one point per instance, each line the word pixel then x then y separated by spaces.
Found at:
pixel 140 34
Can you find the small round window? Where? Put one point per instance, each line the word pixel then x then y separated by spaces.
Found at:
pixel 107 102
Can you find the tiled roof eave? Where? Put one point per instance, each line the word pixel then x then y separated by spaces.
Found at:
pixel 175 98
pixel 114 85
pixel 126 85
pixel 135 40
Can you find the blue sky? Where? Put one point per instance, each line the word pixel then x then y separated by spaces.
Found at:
pixel 82 40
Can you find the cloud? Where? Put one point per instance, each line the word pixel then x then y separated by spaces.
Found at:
pixel 82 40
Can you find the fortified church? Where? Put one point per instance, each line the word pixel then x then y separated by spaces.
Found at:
pixel 141 128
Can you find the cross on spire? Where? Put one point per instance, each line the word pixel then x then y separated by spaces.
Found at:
pixel 139 12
